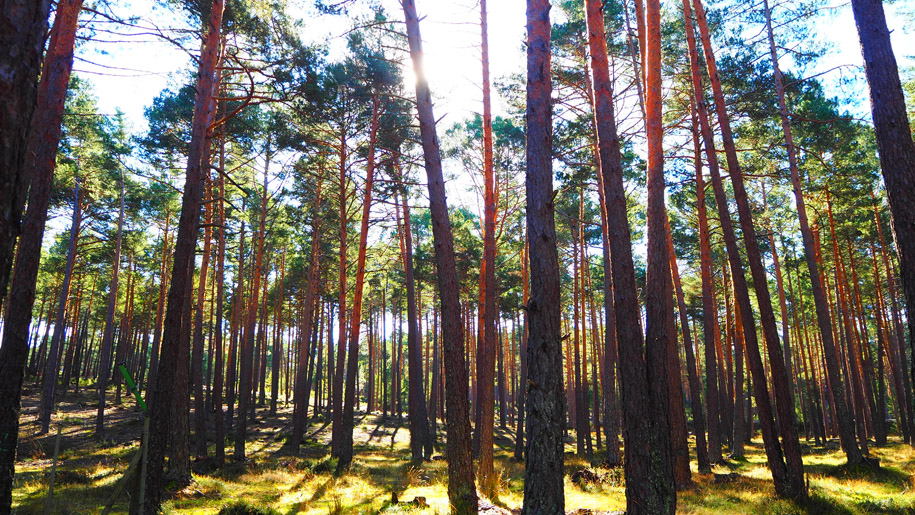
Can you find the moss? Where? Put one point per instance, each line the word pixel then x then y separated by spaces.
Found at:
pixel 243 508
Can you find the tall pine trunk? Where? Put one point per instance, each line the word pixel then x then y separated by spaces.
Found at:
pixel 23 27
pixel 200 442
pixel 40 154
pixel 52 365
pixel 660 337
pixel 105 348
pixel 648 487
pixel 461 490
pixel 306 325
pixel 346 436
pixel 545 406
pixel 709 303
pixel 894 143
pixel 185 246
pixel 247 348
pixel 824 321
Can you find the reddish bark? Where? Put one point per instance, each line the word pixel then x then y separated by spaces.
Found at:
pixel 247 350
pixel 709 305
pixel 23 28
pixel 311 291
pixel 105 348
pixel 43 139
pixel 185 245
pixel 346 436
pixel 824 322
pixel 660 336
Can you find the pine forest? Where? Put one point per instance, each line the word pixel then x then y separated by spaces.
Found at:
pixel 506 257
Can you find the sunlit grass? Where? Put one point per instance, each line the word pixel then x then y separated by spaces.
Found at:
pixel 272 478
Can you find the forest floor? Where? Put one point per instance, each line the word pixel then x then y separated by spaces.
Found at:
pixel 88 469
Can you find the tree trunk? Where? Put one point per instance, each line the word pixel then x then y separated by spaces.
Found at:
pixel 105 349
pixel 520 402
pixel 23 27
pixel 461 490
pixel 544 470
pixel 420 438
pixel 824 322
pixel 220 303
pixel 237 303
pixel 185 244
pixel 485 399
pixel 160 312
pixel 899 340
pixel 247 347
pixel 648 488
pixel 709 304
pixel 311 291
pixel 52 366
pixel 788 479
pixel 200 441
pixel 346 437
pixel 694 386
pixel 40 153
pixel 276 354
pixel 894 143
pixel 666 401
pixel 794 486
pixel 337 396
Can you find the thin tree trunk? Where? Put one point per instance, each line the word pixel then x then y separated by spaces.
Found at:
pixel 487 354
pixel 899 340
pixel 461 490
pixel 666 401
pixel 420 439
pixel 525 300
pixel 52 365
pixel 694 386
pixel 160 312
pixel 105 348
pixel 197 347
pixel 346 437
pixel 237 310
pixel 220 302
pixel 788 479
pixel 648 488
pixel 247 348
pixel 709 306
pixel 337 397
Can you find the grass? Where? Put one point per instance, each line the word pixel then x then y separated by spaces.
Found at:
pixel 272 479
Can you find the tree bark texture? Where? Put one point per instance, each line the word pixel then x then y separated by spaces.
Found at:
pixel 545 401
pixel 185 246
pixel 461 489
pixel 894 142
pixel 40 154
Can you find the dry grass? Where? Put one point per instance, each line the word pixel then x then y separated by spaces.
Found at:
pixel 272 478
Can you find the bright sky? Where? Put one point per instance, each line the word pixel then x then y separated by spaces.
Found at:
pixel 451 36
pixel 133 73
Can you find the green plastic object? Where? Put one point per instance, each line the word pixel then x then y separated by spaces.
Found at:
pixel 132 387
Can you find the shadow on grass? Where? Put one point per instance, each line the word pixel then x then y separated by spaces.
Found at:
pixel 885 475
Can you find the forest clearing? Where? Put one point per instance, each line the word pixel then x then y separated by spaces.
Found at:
pixel 540 257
